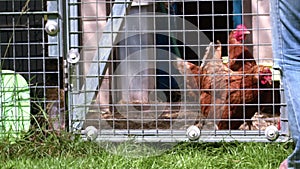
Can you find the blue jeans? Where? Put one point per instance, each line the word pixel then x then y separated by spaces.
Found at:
pixel 286 52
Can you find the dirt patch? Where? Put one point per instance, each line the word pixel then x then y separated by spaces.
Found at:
pixel 163 116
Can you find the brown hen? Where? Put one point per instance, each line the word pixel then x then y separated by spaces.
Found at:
pixel 240 58
pixel 229 98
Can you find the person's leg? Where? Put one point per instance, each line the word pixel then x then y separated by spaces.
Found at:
pixel 286 51
pixel 291 80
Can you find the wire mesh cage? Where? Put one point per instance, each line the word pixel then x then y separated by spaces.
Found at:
pixel 173 71
pixel 31 63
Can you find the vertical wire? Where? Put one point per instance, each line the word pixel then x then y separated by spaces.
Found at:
pixel 28 55
pixel 243 74
pixel 141 89
pixel 258 46
pixel 59 63
pixel 168 10
pixel 155 65
pixel 185 69
pixel 127 75
pixel 243 71
pixel 214 69
pixel 199 51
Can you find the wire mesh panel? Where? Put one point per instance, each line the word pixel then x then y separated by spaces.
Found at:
pixel 31 59
pixel 173 71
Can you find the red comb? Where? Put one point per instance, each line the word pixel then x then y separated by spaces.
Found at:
pixel 242 27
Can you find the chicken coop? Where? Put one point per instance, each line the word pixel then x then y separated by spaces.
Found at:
pixel 31 66
pixel 152 71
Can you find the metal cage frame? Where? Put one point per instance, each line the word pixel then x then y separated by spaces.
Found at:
pixel 82 87
pixel 31 40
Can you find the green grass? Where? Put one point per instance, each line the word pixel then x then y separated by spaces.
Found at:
pixel 62 152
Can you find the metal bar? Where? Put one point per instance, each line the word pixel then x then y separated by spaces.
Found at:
pixel 73 40
pixel 180 138
pixel 284 116
pixel 180 135
pixel 133 120
pixel 31 13
pixel 113 26
pixel 167 132
pixel 53 50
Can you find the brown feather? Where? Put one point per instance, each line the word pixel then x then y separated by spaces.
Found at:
pixel 227 94
pixel 240 58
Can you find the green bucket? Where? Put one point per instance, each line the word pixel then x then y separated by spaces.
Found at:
pixel 15 105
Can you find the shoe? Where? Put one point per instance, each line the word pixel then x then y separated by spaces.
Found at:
pixel 284 164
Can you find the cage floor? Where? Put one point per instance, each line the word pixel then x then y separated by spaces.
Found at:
pixel 170 117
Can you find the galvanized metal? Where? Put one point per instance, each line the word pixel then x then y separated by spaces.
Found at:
pixel 27 49
pixel 100 102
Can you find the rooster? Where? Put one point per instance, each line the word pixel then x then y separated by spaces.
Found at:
pixel 240 58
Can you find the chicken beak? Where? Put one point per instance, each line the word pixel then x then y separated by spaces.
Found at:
pixel 246 32
pixel 267 80
pixel 270 82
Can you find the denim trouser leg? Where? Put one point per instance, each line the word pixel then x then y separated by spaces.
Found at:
pixel 292 90
pixel 286 51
